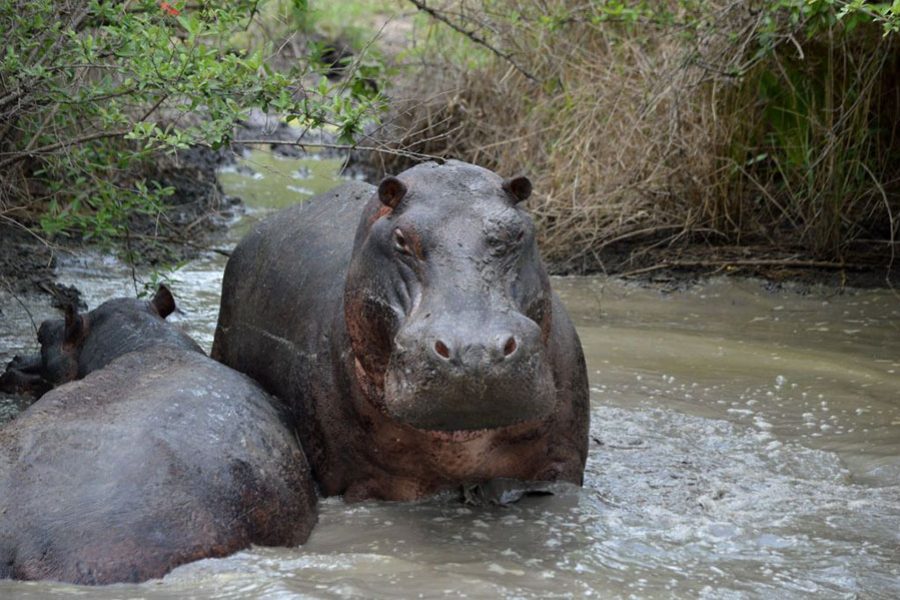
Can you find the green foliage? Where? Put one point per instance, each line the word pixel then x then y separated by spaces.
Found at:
pixel 157 277
pixel 816 99
pixel 92 91
pixel 349 19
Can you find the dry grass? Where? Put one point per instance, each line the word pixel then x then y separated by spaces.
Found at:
pixel 639 137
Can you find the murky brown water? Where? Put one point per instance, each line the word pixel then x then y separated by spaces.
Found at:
pixel 746 444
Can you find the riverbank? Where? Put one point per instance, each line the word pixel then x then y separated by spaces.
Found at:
pixel 630 180
pixel 672 139
pixel 198 214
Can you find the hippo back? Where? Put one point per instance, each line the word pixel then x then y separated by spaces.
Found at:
pixel 283 289
pixel 161 458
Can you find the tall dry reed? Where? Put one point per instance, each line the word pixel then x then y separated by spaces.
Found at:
pixel 716 126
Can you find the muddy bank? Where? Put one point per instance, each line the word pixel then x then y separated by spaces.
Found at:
pixel 26 265
pixel 193 217
pixel 656 263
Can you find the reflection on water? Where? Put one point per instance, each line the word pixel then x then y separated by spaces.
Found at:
pixel 267 181
pixel 744 444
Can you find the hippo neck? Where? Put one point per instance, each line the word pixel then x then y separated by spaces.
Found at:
pixel 363 386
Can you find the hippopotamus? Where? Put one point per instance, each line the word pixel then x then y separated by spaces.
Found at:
pixel 412 332
pixel 151 456
pixel 68 352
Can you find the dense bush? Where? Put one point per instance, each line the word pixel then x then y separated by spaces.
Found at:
pixel 93 92
pixel 769 123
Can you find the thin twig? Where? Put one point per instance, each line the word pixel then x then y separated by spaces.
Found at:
pixel 381 149
pixel 178 240
pixel 19 156
pixel 27 230
pixel 22 304
pixel 890 214
pixel 472 36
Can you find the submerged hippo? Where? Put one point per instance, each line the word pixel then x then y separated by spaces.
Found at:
pixel 73 347
pixel 413 332
pixel 157 457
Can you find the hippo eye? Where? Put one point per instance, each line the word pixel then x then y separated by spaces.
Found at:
pixel 400 244
pixel 520 236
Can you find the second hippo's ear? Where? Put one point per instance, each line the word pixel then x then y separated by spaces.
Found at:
pixel 391 191
pixel 163 301
pixel 518 187
pixel 74 330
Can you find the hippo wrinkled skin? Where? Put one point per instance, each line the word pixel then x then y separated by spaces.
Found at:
pixel 413 333
pixel 157 457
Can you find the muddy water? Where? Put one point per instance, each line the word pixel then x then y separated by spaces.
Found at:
pixel 745 444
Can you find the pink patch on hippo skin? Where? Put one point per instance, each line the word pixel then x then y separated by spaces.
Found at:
pixel 382 211
pixel 412 464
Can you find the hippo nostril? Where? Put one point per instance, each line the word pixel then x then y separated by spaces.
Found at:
pixel 442 350
pixel 509 347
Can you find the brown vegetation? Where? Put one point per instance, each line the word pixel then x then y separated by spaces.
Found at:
pixel 759 138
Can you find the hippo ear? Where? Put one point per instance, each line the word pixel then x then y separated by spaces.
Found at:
pixel 163 301
pixel 391 191
pixel 74 330
pixel 518 187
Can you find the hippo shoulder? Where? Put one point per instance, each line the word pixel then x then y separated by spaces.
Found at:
pixel 291 264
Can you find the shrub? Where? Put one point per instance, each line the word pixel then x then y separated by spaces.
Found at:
pixel 93 91
pixel 767 123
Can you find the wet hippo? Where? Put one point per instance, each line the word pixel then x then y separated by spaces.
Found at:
pixel 412 330
pixel 73 347
pixel 157 457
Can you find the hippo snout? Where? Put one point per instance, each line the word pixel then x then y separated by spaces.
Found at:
pixel 475 355
pixel 466 372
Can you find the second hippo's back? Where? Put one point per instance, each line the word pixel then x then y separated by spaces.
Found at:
pixel 282 287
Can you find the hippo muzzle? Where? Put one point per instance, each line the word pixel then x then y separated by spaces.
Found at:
pixel 469 371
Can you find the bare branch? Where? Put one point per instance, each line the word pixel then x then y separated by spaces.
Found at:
pixel 435 14
pixel 19 156
pixel 303 145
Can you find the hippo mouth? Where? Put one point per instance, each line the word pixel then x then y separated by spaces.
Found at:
pixel 466 409
pixel 467 435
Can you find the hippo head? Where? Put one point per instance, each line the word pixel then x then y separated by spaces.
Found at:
pixel 73 346
pixel 447 303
